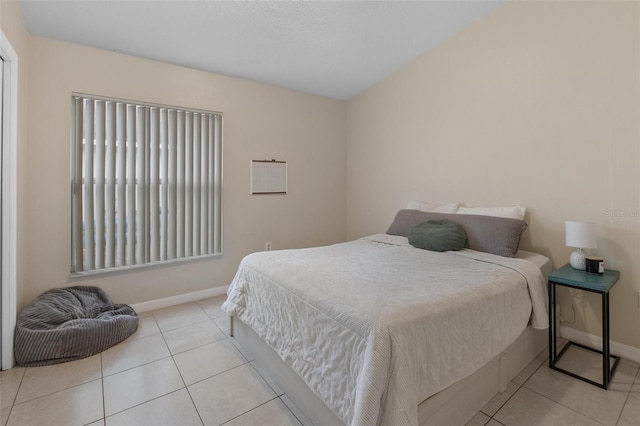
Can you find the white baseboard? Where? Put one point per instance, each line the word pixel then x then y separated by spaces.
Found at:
pixel 627 352
pixel 179 299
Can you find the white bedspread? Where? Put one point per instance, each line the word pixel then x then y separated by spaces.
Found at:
pixel 375 326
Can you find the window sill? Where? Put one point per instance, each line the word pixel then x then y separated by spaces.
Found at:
pixel 121 270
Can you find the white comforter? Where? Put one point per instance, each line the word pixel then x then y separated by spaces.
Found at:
pixel 375 326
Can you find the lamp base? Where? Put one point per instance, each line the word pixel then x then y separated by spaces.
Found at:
pixel 577 260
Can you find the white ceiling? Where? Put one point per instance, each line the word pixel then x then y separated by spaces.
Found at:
pixel 329 48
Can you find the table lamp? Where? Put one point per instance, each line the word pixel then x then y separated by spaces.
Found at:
pixel 581 235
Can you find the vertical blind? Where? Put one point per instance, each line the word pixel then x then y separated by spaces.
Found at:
pixel 146 183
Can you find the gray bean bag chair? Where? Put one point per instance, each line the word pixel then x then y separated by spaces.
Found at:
pixel 64 324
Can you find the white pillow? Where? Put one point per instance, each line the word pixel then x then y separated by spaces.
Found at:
pixel 431 207
pixel 513 212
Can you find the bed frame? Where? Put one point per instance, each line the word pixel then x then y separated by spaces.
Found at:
pixel 455 405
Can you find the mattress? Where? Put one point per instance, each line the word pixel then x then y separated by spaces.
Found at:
pixel 375 326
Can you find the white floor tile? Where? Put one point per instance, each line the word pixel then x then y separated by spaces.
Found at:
pixel 592 401
pixel 635 389
pixel 206 361
pixel 212 306
pixel 230 394
pixel 223 324
pixel 79 405
pixel 9 384
pixel 583 362
pixel 273 413
pixel 144 384
pixel 192 336
pixel 527 408
pixel 140 384
pixel 173 409
pixel 40 381
pixel 4 415
pixel 630 415
pixel 147 326
pixel 132 354
pixel 629 362
pixel 186 315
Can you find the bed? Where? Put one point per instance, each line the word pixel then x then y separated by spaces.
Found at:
pixel 376 331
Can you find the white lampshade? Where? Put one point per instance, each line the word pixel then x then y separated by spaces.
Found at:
pixel 580 234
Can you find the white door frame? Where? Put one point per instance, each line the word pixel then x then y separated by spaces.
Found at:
pixel 9 209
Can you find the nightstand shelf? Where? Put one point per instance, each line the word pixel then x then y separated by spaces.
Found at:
pixel 581 280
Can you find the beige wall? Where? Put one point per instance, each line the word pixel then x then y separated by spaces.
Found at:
pixel 14 28
pixel 537 104
pixel 260 121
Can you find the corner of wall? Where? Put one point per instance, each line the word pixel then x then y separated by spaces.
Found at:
pixel 14 27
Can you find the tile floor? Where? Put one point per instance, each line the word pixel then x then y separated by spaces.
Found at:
pixel 180 368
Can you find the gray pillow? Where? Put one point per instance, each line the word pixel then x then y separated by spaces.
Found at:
pixel 496 235
pixel 438 235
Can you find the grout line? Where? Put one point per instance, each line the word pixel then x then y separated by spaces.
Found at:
pixel 174 361
pixel 15 398
pixel 569 408
pixel 264 379
pixel 24 373
pixel 505 402
pixel 291 411
pixel 254 408
pixel 524 383
pixel 183 381
pixel 194 404
pixel 57 391
pixel 268 383
pixel 217 374
pixel 623 405
pixel 166 345
pixel 575 410
pixel 144 402
pixel 520 386
pixel 136 341
pixel 168 393
pixel 198 347
pixel 636 377
pixel 134 367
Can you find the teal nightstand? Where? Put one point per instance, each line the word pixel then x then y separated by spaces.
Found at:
pixel 581 280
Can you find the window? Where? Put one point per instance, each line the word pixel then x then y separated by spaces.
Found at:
pixel 146 183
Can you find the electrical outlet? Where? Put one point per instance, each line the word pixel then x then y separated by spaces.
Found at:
pixel 267 246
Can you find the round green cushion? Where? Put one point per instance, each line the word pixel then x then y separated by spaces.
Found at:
pixel 438 235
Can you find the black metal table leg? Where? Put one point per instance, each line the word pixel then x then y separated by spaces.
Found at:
pixel 605 339
pixel 552 323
